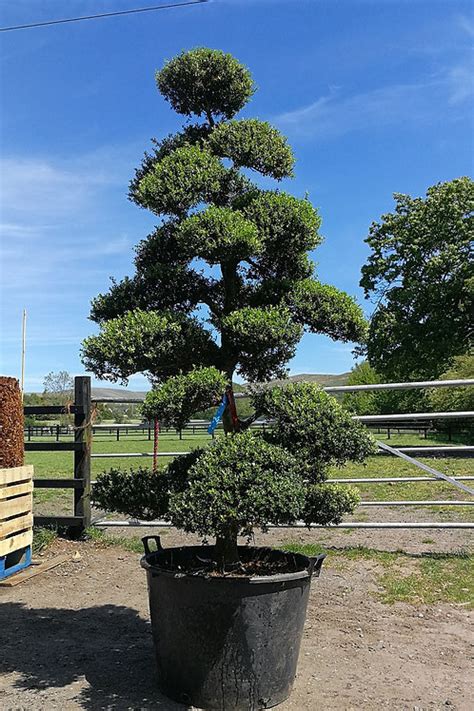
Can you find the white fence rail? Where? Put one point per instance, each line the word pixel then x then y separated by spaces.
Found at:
pixel 428 384
pixel 104 523
pixel 425 467
pixel 404 417
pixel 465 449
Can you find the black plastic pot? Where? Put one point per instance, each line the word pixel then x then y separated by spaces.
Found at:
pixel 225 642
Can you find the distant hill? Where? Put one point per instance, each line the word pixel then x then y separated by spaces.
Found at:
pixel 324 379
pixel 117 394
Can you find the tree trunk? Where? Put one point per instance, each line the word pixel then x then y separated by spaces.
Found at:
pixel 230 282
pixel 231 287
pixel 245 424
pixel 226 551
pixel 227 423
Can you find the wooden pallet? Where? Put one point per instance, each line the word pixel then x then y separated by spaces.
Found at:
pixel 36 568
pixel 16 519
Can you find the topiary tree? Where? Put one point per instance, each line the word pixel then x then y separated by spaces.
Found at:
pixel 224 284
pixel 247 311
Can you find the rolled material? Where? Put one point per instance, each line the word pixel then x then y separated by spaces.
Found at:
pixel 11 423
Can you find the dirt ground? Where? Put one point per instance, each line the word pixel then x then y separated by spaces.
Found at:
pixel 78 636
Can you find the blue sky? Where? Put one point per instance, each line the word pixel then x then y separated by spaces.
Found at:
pixel 375 97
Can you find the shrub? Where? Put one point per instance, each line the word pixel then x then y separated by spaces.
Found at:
pixel 314 427
pixel 176 400
pixel 251 479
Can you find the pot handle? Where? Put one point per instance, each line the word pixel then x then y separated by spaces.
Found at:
pixel 146 545
pixel 316 563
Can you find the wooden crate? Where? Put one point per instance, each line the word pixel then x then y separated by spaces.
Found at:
pixel 16 519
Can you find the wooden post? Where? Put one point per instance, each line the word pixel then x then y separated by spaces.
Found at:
pixel 82 456
pixel 23 351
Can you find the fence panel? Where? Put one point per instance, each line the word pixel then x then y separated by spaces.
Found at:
pixel 81 449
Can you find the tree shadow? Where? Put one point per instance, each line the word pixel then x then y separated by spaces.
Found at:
pixel 110 646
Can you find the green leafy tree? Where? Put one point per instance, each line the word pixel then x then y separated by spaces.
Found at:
pixel 175 401
pixel 459 399
pixel 421 274
pixel 32 399
pixel 223 285
pixel 381 402
pixel 362 403
pixel 58 387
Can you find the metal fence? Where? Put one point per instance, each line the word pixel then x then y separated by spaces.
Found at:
pixel 82 409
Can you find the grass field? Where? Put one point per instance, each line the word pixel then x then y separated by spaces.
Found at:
pixel 404 577
pixel 59 465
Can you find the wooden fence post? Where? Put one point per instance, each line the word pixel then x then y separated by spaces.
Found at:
pixel 82 455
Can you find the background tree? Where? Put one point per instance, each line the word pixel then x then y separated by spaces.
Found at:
pixel 363 403
pixel 381 402
pixel 58 387
pixel 421 273
pixel 30 400
pixel 225 280
pixel 456 399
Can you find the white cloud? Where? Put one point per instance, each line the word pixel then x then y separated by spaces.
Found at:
pixel 335 115
pixel 461 84
pixel 53 264
pixel 34 185
pixel 39 187
pixel 18 230
pixel 55 211
pixel 466 24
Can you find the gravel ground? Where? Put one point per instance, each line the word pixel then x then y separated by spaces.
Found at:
pixel 78 636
